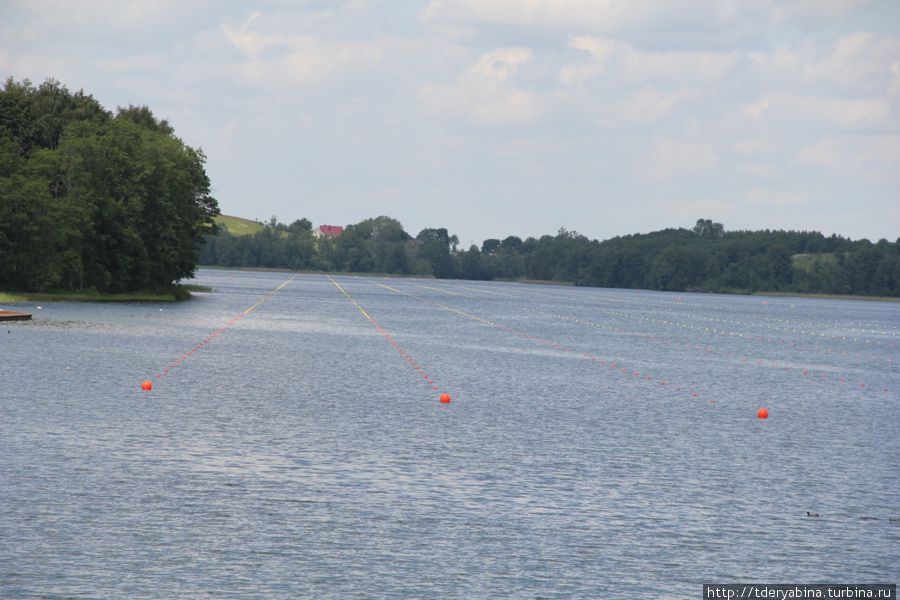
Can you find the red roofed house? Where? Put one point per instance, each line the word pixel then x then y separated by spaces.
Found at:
pixel 328 231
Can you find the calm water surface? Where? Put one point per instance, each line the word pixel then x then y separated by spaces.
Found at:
pixel 298 453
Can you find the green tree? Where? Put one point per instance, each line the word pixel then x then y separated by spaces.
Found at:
pixel 433 250
pixel 434 235
pixel 17 117
pixel 676 268
pixel 143 117
pixel 89 201
pixel 705 228
pixel 511 243
pixel 490 246
pixel 471 265
pixel 779 267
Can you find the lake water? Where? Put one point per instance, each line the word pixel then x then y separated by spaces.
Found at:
pixel 302 451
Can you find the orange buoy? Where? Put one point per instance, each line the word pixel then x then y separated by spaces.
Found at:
pixel 445 398
pixel 147 385
pixel 762 413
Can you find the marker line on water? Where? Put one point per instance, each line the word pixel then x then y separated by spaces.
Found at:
pixel 173 365
pixel 462 287
pixel 742 358
pixel 789 327
pixel 693 393
pixel 823 375
pixel 269 295
pixel 407 357
pixel 656 299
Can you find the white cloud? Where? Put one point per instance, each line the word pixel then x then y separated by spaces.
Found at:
pixel 577 75
pixel 769 197
pixel 879 152
pixel 485 92
pixel 679 157
pixel 857 65
pixel 894 89
pixel 811 10
pixel 849 82
pixel 823 154
pixel 649 104
pixel 622 60
pixel 570 12
pixel 100 23
pixel 250 43
pixel 115 12
pixel 600 50
pixel 851 113
pixel 590 15
pixel 679 67
pixel 599 95
pixel 704 23
pixel 754 110
pixel 296 58
pixel 498 66
pixel 751 145
pixel 757 169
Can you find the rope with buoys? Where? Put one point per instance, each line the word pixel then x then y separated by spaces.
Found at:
pixel 407 357
pixel 693 393
pixel 147 384
pixel 822 375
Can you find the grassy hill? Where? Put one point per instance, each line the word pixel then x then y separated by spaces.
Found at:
pixel 239 226
pixel 805 262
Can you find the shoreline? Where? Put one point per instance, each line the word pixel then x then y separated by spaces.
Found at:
pixel 182 292
pixel 542 282
pixel 827 296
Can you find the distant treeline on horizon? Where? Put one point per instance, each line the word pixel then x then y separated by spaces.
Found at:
pixel 705 258
pixel 115 202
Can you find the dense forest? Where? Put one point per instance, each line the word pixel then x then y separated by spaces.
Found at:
pixel 91 200
pixel 95 201
pixel 703 258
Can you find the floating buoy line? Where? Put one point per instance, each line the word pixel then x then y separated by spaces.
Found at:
pixel 406 356
pixel 707 349
pixel 792 327
pixel 824 375
pixel 622 297
pixel 613 365
pixel 147 385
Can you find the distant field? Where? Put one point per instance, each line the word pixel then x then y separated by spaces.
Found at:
pixel 239 226
pixel 806 261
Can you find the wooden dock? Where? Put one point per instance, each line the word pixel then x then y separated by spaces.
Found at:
pixel 11 315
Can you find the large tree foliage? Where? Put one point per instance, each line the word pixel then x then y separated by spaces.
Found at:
pixel 89 200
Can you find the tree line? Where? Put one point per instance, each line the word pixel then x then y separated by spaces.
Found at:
pixel 703 258
pixel 91 200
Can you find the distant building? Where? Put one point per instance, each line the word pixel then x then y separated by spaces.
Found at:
pixel 329 231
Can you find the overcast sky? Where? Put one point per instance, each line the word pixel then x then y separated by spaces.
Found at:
pixel 506 117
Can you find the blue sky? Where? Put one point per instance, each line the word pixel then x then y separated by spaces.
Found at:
pixel 506 117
